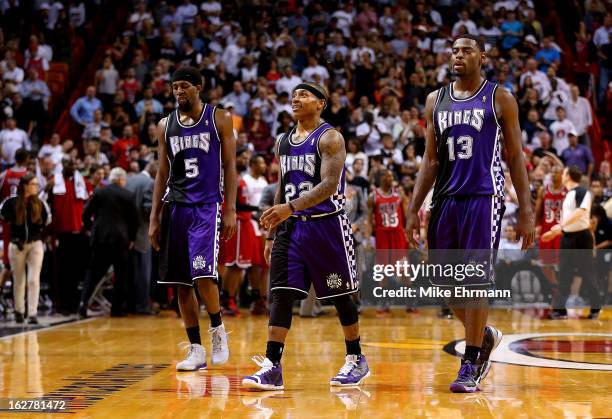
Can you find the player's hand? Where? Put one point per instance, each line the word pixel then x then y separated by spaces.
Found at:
pixel 268 251
pixel 413 229
pixel 228 224
pixel 154 229
pixel 526 229
pixel 275 215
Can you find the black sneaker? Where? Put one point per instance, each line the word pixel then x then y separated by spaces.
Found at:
pixel 491 340
pixel 445 313
pixel 32 320
pixel 557 315
pixel 593 315
pixel 18 317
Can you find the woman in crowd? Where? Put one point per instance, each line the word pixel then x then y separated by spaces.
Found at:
pixel 27 215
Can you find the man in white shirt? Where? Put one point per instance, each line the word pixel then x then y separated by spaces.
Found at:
pixel 539 79
pixel 467 22
pixel 239 98
pixel 233 54
pixel 560 130
pixel 186 12
pixel 256 183
pixel 12 139
pixel 212 10
pixel 345 18
pixel 362 47
pixel 579 111
pixel 53 150
pixel 575 256
pixel 314 68
pixel 255 179
pixel 13 73
pixel 337 46
pixel 288 82
pixel 369 133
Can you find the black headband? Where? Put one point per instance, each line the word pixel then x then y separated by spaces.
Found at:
pixel 189 74
pixel 311 89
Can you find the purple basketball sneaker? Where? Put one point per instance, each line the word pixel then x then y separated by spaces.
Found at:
pixel 269 377
pixel 466 379
pixel 354 371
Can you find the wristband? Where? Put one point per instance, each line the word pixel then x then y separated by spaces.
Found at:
pixel 270 238
pixel 292 207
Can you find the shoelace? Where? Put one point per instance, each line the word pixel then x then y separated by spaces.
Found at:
pixel 184 345
pixel 265 364
pixel 349 364
pixel 215 332
pixel 466 371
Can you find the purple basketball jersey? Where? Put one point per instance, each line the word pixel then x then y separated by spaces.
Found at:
pixel 467 143
pixel 300 166
pixel 194 153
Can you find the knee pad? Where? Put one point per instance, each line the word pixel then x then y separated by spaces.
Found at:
pixel 347 310
pixel 281 308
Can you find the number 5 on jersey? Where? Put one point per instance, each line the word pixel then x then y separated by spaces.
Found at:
pixel 191 167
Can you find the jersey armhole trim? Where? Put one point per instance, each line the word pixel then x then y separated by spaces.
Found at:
pixel 319 139
pixel 493 105
pixel 213 112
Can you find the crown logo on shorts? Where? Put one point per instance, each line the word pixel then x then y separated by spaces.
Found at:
pixel 199 263
pixel 334 281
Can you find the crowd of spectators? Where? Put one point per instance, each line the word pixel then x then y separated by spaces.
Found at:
pixel 379 60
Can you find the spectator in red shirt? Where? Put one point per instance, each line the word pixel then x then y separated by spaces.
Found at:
pixel 121 147
pixel 68 199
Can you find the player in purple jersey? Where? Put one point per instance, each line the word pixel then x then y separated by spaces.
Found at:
pixel 309 238
pixel 196 151
pixel 464 123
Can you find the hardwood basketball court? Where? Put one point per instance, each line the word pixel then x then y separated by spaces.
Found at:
pixel 114 368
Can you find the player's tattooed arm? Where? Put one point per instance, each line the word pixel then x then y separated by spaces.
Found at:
pixel 333 155
pixel 506 109
pixel 160 183
pixel 427 173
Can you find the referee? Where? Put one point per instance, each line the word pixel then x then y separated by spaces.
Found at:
pixel 575 227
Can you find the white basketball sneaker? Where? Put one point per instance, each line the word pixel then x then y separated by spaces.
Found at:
pixel 195 359
pixel 220 349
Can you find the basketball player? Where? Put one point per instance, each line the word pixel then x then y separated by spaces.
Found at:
pixel 387 206
pixel 256 183
pixel 196 150
pixel 313 243
pixel 464 122
pixel 237 252
pixel 549 205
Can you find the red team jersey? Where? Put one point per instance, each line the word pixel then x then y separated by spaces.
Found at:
pixel 240 249
pixel 389 220
pixel 10 181
pixel 552 201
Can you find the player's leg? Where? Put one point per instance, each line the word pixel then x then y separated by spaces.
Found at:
pixel 231 283
pixel 287 282
pixel 333 277
pixel 203 252
pixel 566 277
pixel 481 340
pixel 270 376
pixel 175 268
pixel 189 308
pixel 355 369
pixel 209 292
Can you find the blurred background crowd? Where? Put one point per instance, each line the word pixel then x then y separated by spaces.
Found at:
pixel 83 84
